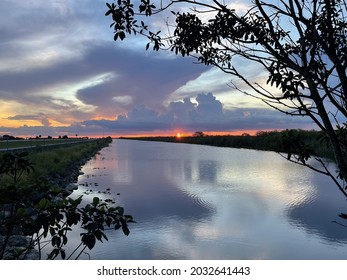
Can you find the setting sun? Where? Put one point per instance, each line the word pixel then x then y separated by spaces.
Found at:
pixel 179 135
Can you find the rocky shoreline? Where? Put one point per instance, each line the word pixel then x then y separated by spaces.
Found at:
pixel 17 242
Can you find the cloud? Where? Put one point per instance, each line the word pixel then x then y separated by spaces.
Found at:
pixel 61 73
pixel 182 111
pixel 144 77
pixel 207 114
pixel 42 55
pixel 209 108
pixel 40 117
pixel 100 78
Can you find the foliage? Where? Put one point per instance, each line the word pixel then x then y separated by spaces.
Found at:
pixel 198 134
pixel 300 44
pixel 43 213
pixel 284 142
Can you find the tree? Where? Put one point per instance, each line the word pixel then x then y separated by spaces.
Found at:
pixel 300 44
pixel 198 134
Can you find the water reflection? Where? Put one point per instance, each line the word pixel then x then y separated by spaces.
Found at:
pixel 208 171
pixel 198 202
pixel 318 216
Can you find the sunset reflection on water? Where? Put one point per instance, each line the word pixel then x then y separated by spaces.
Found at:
pixel 201 202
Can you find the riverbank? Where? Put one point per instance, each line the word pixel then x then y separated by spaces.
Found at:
pixel 289 141
pixel 54 168
pixel 32 144
pixel 58 165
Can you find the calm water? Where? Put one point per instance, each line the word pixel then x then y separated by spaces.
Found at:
pixel 201 202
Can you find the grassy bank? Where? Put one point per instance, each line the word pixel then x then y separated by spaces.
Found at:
pixel 59 164
pixel 289 141
pixel 34 143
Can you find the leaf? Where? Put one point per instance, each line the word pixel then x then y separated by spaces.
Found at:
pixel 58 241
pixel 142 8
pixel 125 228
pixel 42 203
pixel 128 217
pixel 96 201
pixel 52 255
pixel 117 226
pixel 122 35
pixel 52 231
pixel 21 212
pixel 98 235
pixel 290 75
pixel 62 254
pixel 89 240
pixel 343 216
pixel 120 210
pixel 65 240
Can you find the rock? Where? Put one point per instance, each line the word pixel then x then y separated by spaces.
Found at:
pixel 16 245
pixel 71 187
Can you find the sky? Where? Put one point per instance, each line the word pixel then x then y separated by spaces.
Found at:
pixel 61 73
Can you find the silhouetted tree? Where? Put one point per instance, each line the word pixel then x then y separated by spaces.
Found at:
pixel 198 134
pixel 300 44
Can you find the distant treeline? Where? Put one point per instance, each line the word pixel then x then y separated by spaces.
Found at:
pixel 288 141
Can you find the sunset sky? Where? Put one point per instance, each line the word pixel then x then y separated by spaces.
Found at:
pixel 62 73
